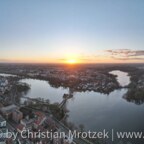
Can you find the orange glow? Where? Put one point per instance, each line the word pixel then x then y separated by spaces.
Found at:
pixel 71 61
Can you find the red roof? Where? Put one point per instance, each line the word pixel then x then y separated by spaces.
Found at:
pixel 39 114
pixel 20 127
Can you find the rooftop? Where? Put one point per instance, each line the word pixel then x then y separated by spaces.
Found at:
pixel 1 119
pixel 8 108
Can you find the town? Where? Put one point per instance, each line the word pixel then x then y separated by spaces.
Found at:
pixel 18 120
pixel 76 78
pixel 36 115
pixel 32 116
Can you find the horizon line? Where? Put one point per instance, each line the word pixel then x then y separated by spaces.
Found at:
pixel 69 64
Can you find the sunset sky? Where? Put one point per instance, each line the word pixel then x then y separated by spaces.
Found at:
pixel 82 31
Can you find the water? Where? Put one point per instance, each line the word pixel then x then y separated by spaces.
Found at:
pixel 94 110
pixel 7 75
pixel 98 111
pixel 41 89
pixel 122 77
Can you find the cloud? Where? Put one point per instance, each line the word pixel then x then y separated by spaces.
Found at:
pixel 126 54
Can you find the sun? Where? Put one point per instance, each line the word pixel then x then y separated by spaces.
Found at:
pixel 71 61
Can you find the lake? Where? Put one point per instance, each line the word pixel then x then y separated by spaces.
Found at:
pixel 94 110
pixel 7 75
pixel 122 77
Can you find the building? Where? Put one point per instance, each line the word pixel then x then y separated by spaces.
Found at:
pixel 3 135
pixel 49 122
pixel 3 85
pixel 20 128
pixel 2 122
pixel 67 140
pixel 17 116
pixel 40 118
pixel 2 141
pixel 27 123
pixel 8 110
pixel 57 141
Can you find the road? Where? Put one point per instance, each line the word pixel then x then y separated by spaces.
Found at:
pixel 64 128
pixel 58 123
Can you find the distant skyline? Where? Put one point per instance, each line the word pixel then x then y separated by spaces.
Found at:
pixel 79 31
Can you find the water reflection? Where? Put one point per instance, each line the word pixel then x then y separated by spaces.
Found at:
pixel 7 75
pixel 94 110
pixel 41 89
pixel 122 77
pixel 135 96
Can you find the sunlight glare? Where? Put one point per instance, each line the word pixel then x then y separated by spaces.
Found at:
pixel 71 61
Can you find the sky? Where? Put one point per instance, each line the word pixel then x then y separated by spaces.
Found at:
pixel 85 31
